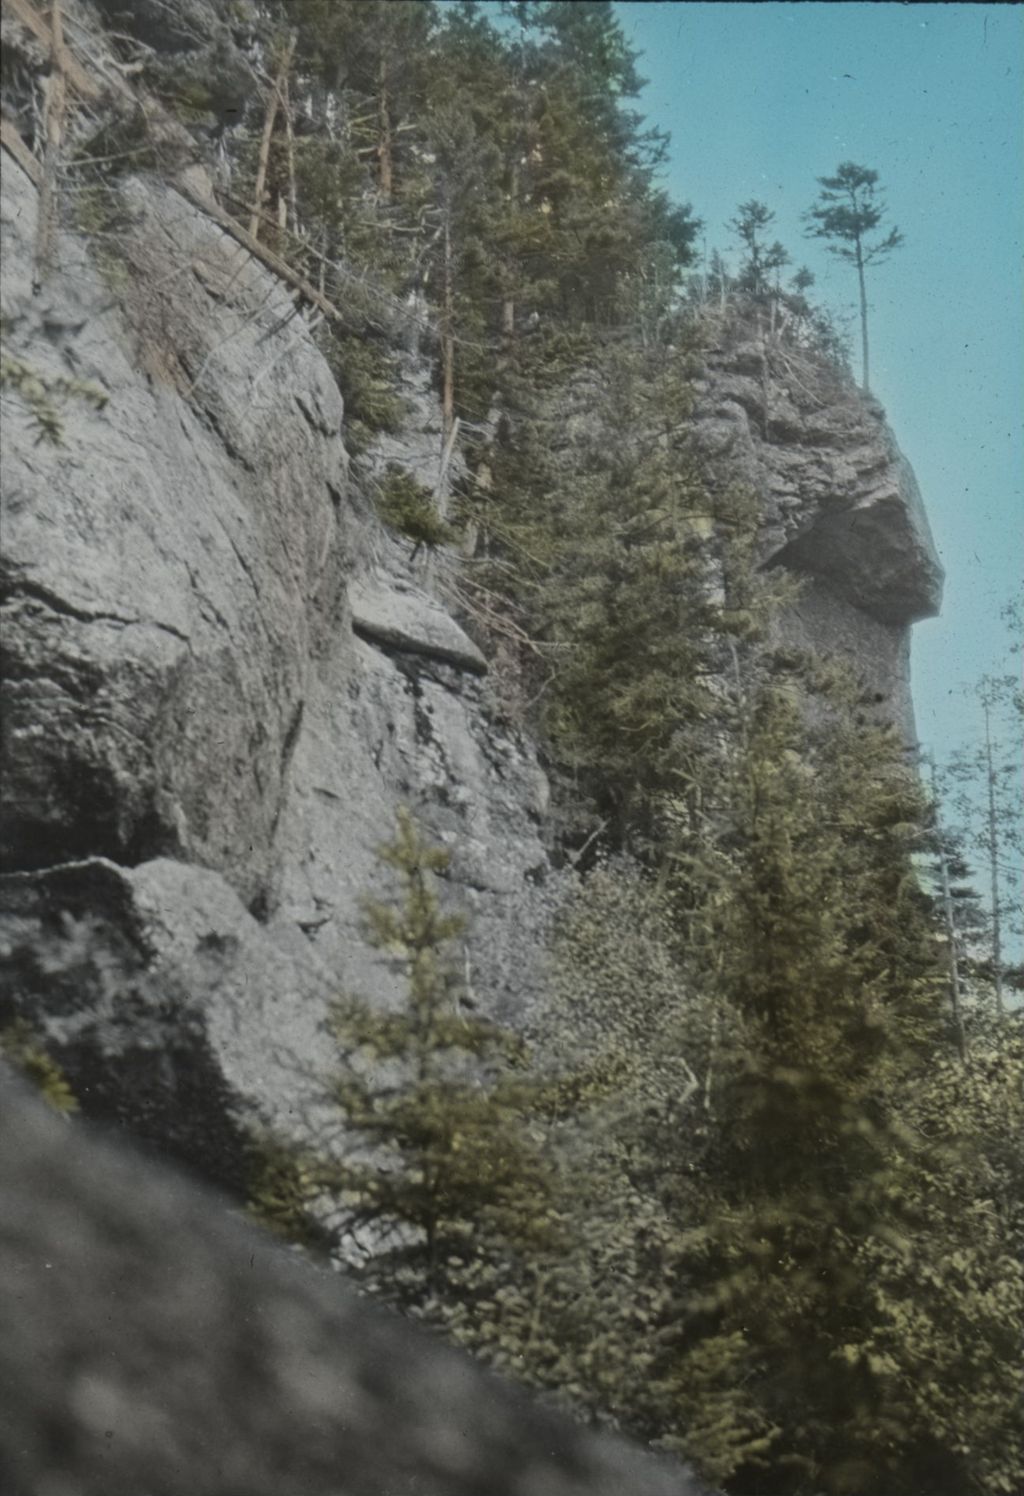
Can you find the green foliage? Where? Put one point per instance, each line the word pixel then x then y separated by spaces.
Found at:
pixel 364 370
pixel 761 262
pixel 495 170
pixel 795 1245
pixel 285 1183
pixel 618 1002
pixel 849 207
pixel 121 143
pixel 848 210
pixel 39 392
pixel 411 509
pixel 445 1170
pixel 21 1047
pixel 100 217
pixel 634 572
pixel 842 1257
pixel 791 1247
pixel 980 790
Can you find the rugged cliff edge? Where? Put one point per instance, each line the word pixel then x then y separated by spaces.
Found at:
pixel 222 677
pixel 839 506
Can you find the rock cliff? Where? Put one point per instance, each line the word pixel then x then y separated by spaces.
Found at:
pixel 839 507
pixel 222 677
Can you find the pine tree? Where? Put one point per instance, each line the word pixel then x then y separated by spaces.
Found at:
pixel 372 55
pixel 443 1171
pixel 830 1271
pixel 638 577
pixel 762 261
pixel 848 210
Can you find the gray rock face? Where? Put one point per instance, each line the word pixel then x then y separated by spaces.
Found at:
pixel 382 729
pixel 152 1345
pixel 221 679
pixel 839 506
pixel 170 571
pixel 390 612
pixel 221 682
pixel 179 1016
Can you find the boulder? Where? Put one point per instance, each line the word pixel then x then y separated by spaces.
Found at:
pixel 152 1344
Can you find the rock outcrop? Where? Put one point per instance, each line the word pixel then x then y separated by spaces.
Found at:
pixel 204 1358
pixel 839 506
pixel 222 678
pixel 172 569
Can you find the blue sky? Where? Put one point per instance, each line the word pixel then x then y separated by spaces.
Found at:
pixel 761 100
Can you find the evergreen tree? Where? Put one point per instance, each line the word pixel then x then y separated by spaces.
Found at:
pixel 491 175
pixel 848 210
pixel 830 1272
pixel 791 1201
pixel 979 792
pixel 443 1170
pixel 592 160
pixel 39 394
pixel 21 1048
pixel 762 261
pixel 634 575
pixel 372 56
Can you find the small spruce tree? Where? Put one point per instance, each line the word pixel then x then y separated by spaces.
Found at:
pixel 445 1171
pixel 761 261
pixel 22 1049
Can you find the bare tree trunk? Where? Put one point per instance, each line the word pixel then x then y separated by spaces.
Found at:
pixel 385 151
pixel 865 379
pixel 266 256
pixel 261 165
pixel 56 104
pixel 448 334
pixel 709 1074
pixel 10 138
pixel 268 131
pixel 441 490
pixel 293 196
pixel 993 856
pixel 441 486
pixel 508 305
pixel 947 912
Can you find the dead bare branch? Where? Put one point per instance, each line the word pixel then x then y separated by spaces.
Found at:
pixel 11 139
pixel 54 110
pixel 263 160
